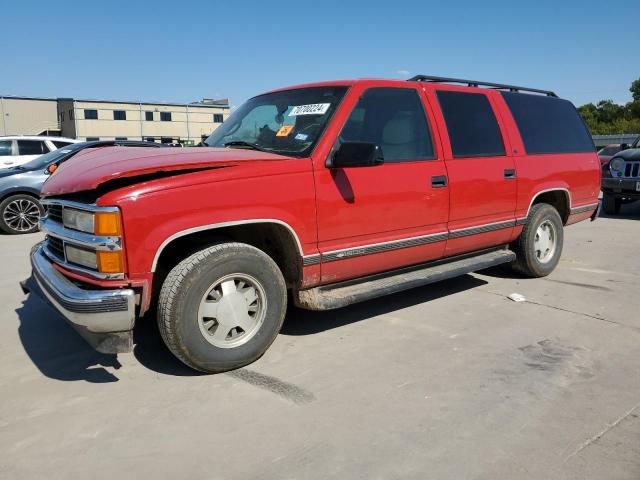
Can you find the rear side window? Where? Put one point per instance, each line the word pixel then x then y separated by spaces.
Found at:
pixel 31 147
pixel 471 123
pixel 548 124
pixel 5 148
pixel 393 119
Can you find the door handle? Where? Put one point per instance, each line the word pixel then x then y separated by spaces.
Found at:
pixel 439 181
pixel 509 173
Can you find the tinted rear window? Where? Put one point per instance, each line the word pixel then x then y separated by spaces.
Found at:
pixel 471 123
pixel 548 124
pixel 31 147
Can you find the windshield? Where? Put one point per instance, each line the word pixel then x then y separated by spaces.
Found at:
pixel 287 123
pixel 44 160
pixel 609 150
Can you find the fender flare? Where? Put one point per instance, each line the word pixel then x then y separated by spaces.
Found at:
pixel 214 226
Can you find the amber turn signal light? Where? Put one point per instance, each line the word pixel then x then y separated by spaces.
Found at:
pixel 107 223
pixel 110 262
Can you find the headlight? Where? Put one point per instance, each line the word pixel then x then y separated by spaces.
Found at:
pixel 78 220
pixel 616 164
pixel 82 257
pixel 99 223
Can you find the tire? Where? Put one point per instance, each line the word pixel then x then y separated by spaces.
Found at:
pixel 529 246
pixel 221 278
pixel 610 204
pixel 12 207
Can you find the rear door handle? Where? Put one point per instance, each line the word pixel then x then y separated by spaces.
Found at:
pixel 439 181
pixel 509 173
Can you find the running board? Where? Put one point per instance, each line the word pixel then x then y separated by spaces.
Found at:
pixel 328 297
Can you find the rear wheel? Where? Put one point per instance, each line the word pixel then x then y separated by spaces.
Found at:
pixel 20 214
pixel 539 246
pixel 611 204
pixel 222 307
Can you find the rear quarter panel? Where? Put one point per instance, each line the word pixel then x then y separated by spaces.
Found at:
pixel 576 173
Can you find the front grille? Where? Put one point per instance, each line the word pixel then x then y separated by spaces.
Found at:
pixel 56 247
pixel 54 212
pixel 631 169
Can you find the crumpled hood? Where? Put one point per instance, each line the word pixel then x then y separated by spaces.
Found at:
pixel 93 167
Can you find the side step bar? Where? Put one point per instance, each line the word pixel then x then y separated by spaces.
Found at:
pixel 328 297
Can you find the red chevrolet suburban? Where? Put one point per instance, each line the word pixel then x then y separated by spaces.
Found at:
pixel 336 192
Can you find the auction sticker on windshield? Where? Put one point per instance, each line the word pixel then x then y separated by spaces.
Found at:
pixel 311 109
pixel 284 130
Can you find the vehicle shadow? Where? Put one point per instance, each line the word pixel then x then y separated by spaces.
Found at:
pixel 151 351
pixel 61 354
pixel 306 322
pixel 56 349
pixel 630 211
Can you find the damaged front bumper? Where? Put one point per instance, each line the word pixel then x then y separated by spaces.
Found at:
pixel 104 318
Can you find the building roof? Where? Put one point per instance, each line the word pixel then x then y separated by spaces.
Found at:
pixel 206 102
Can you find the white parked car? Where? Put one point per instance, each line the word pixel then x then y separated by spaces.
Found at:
pixel 19 149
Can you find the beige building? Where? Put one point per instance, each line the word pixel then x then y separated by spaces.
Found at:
pixel 29 116
pixel 107 120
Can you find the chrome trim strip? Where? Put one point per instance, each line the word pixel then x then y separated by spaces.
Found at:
pixel 382 247
pixel 89 207
pixel 81 239
pixel 489 227
pixel 99 311
pixel 373 248
pixel 584 208
pixel 308 260
pixel 213 226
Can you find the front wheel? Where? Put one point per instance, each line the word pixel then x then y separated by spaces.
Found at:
pixel 20 214
pixel 222 307
pixel 539 246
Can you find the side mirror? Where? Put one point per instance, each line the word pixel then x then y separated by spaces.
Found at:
pixel 357 154
pixel 624 146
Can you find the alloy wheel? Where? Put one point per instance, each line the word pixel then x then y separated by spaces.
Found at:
pixel 21 215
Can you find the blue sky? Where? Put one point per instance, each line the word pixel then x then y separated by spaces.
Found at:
pixel 184 51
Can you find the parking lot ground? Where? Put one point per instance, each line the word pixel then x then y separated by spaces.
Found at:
pixel 452 381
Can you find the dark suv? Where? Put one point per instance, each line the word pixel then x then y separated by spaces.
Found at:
pixel 621 179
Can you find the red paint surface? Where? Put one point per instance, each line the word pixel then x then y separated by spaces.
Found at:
pixel 331 209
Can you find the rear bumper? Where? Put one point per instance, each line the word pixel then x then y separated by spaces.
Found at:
pixel 105 318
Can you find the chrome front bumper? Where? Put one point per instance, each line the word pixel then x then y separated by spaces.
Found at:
pixel 105 318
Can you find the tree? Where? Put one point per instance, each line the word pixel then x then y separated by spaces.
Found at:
pixel 607 117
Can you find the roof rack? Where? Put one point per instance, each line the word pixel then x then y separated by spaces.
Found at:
pixel 477 83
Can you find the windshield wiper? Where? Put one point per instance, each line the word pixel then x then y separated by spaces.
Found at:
pixel 242 143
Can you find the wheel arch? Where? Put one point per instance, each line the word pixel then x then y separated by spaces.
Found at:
pixel 275 237
pixel 21 191
pixel 557 197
